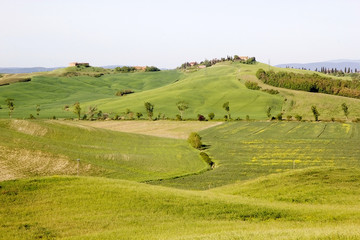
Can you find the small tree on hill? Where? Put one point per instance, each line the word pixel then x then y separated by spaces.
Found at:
pixel 268 112
pixel 92 111
pixel 345 108
pixel 38 110
pixel 182 106
pixel 77 109
pixel 149 109
pixel 315 113
pixel 227 109
pixel 11 105
pixel 211 116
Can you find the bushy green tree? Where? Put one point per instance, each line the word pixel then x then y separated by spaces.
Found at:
pixel 149 109
pixel 195 140
pixel 211 116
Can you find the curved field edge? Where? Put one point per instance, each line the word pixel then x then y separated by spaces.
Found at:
pixel 99 208
pixel 40 148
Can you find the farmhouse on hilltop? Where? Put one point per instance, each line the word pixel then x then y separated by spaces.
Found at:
pixel 77 64
pixel 140 68
pixel 244 58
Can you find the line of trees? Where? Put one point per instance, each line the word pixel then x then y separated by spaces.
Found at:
pixel 209 63
pixel 310 83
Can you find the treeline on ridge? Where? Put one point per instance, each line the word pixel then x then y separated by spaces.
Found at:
pixel 310 83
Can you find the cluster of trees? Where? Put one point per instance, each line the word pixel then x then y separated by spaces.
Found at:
pixel 310 83
pixel 151 69
pixel 209 63
pixel 128 69
pixel 125 69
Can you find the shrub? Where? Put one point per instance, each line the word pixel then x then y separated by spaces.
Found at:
pixel 124 92
pixel 333 119
pixel 178 117
pixel 201 117
pixel 54 117
pixel 206 159
pixel 139 115
pixel 195 140
pixel 288 117
pixel 211 116
pixel 271 91
pixel 31 116
pixel 279 117
pixel 247 118
pixel 252 85
pixel 298 117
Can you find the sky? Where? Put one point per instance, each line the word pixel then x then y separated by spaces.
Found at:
pixel 165 33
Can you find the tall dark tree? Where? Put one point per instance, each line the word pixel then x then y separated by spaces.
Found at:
pixel 315 113
pixel 11 105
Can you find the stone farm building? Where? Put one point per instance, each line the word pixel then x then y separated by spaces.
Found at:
pixel 140 67
pixel 244 58
pixel 77 64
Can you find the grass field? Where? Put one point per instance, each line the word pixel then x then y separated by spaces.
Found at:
pixel 98 208
pixel 247 150
pixel 36 148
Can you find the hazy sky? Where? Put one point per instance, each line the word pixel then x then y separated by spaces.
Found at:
pixel 167 33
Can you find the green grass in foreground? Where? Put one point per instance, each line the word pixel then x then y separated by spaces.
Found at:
pixel 38 148
pixel 99 208
pixel 247 150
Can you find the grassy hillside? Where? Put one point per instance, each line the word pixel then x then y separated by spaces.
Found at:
pixel 245 150
pixel 53 93
pixel 38 148
pixel 205 91
pixel 98 208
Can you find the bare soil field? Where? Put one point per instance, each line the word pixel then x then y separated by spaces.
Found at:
pixel 162 128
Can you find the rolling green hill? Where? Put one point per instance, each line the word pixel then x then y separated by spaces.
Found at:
pixel 205 91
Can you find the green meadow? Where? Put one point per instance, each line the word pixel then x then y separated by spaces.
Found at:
pixel 141 179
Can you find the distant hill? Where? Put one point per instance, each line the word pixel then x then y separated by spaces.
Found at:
pixel 26 70
pixel 340 64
